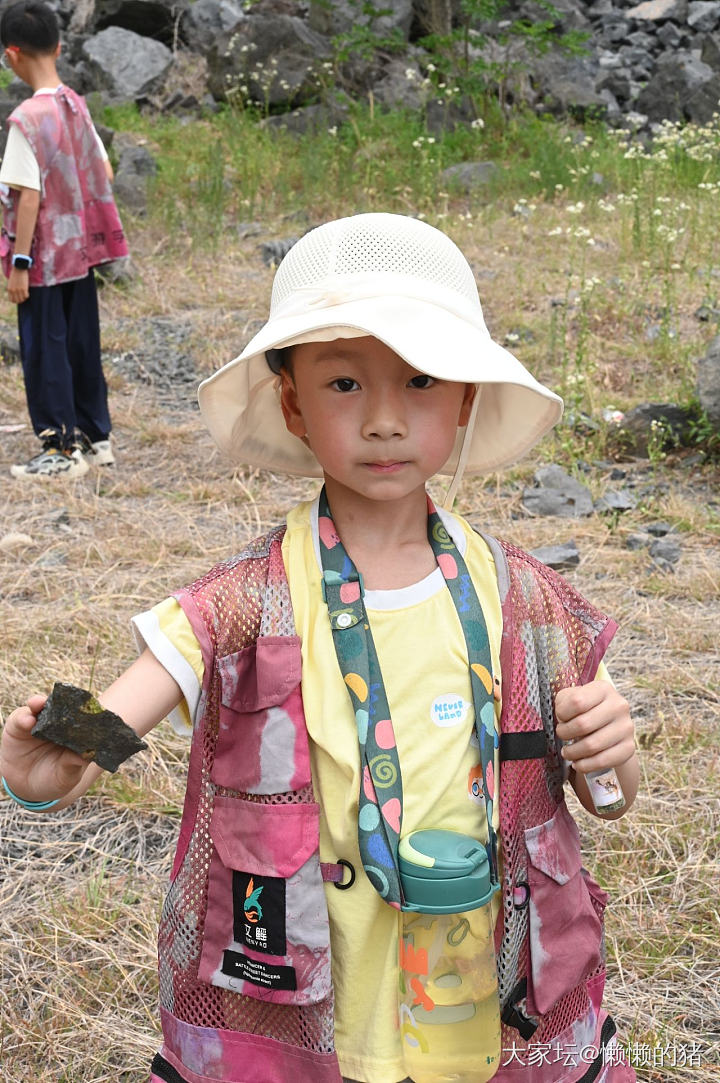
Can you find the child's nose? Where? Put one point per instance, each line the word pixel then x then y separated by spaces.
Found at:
pixel 385 417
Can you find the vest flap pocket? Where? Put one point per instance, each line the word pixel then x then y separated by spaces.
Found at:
pixel 554 847
pixel 262 744
pixel 266 933
pixel 565 926
pixel 262 675
pixel 270 840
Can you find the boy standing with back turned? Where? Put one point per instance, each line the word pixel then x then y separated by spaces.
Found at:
pixel 370 668
pixel 59 221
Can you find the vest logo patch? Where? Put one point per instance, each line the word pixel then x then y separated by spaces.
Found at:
pixel 259 912
pixel 258 972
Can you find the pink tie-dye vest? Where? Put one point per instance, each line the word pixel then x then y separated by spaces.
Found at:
pixel 245 1000
pixel 78 226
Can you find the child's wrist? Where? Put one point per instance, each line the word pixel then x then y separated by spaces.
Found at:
pixel 34 806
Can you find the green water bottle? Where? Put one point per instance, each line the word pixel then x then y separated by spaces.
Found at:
pixel 449 1007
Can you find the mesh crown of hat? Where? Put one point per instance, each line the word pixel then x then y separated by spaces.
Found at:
pixel 374 244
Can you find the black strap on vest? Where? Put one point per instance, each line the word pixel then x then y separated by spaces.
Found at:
pixel 163 1070
pixel 523 746
pixel 513 1015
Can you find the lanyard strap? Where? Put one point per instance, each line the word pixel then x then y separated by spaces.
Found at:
pixel 380 807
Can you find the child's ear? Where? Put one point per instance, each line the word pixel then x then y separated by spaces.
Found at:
pixel 468 399
pixel 290 406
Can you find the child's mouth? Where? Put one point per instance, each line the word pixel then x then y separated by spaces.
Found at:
pixel 386 468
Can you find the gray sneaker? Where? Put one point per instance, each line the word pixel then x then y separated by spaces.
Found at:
pixel 51 462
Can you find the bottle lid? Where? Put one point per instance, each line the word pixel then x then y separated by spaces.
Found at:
pixel 444 872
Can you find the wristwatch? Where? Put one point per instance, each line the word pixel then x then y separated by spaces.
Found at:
pixel 23 263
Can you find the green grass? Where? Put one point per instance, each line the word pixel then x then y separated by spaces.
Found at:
pixel 626 234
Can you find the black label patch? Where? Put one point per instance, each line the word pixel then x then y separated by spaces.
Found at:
pixel 259 912
pixel 259 972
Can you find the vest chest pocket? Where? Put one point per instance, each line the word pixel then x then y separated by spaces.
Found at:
pixel 266 930
pixel 565 926
pixel 262 744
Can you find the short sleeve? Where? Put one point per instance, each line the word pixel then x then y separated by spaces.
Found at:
pixel 19 167
pixel 100 144
pixel 167 632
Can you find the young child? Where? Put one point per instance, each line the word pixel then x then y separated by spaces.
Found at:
pixel 376 372
pixel 60 221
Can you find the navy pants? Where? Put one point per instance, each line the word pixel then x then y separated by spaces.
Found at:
pixel 65 386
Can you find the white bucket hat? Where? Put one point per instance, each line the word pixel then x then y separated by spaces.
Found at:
pixel 408 285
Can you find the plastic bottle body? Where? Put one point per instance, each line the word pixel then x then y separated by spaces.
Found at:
pixel 449 1008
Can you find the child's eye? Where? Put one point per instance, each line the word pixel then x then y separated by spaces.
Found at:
pixel 344 383
pixel 421 381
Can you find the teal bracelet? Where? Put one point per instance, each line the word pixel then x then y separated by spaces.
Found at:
pixel 34 806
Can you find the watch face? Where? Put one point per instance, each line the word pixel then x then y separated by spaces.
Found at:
pixel 22 263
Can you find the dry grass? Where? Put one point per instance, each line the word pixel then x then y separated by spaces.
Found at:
pixel 80 892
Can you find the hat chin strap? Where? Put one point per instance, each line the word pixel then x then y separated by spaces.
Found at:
pixel 457 477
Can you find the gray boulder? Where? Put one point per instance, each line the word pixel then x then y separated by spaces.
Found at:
pixel 275 56
pixel 342 16
pixel 207 20
pixel 678 78
pixel 126 65
pixel 136 166
pixel 80 17
pixel 567 84
pixel 710 51
pixel 703 15
pixel 469 176
pixel 401 86
pixel 708 382
pixel 659 10
pixel 565 14
pixel 703 104
pixel 557 493
pixel 671 36
pixel 308 118
pixel 666 552
pixel 565 555
pixel 616 500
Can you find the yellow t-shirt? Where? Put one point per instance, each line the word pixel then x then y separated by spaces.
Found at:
pixel 423 659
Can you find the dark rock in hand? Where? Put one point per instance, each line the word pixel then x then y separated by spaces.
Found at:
pixel 74 719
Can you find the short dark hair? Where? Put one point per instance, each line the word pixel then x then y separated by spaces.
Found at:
pixel 280 358
pixel 30 25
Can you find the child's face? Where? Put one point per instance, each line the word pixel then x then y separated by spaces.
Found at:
pixel 376 425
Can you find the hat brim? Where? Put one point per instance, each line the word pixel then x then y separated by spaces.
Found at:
pixel 240 406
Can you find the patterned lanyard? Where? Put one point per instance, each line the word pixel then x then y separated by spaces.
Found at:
pixel 381 797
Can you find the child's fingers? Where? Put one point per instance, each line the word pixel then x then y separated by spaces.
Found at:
pixel 594 721
pixel 575 700
pixel 22 720
pixel 610 746
pixel 581 710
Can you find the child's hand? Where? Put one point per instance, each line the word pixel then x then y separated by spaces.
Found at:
pixel 34 769
pixel 18 286
pixel 596 718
